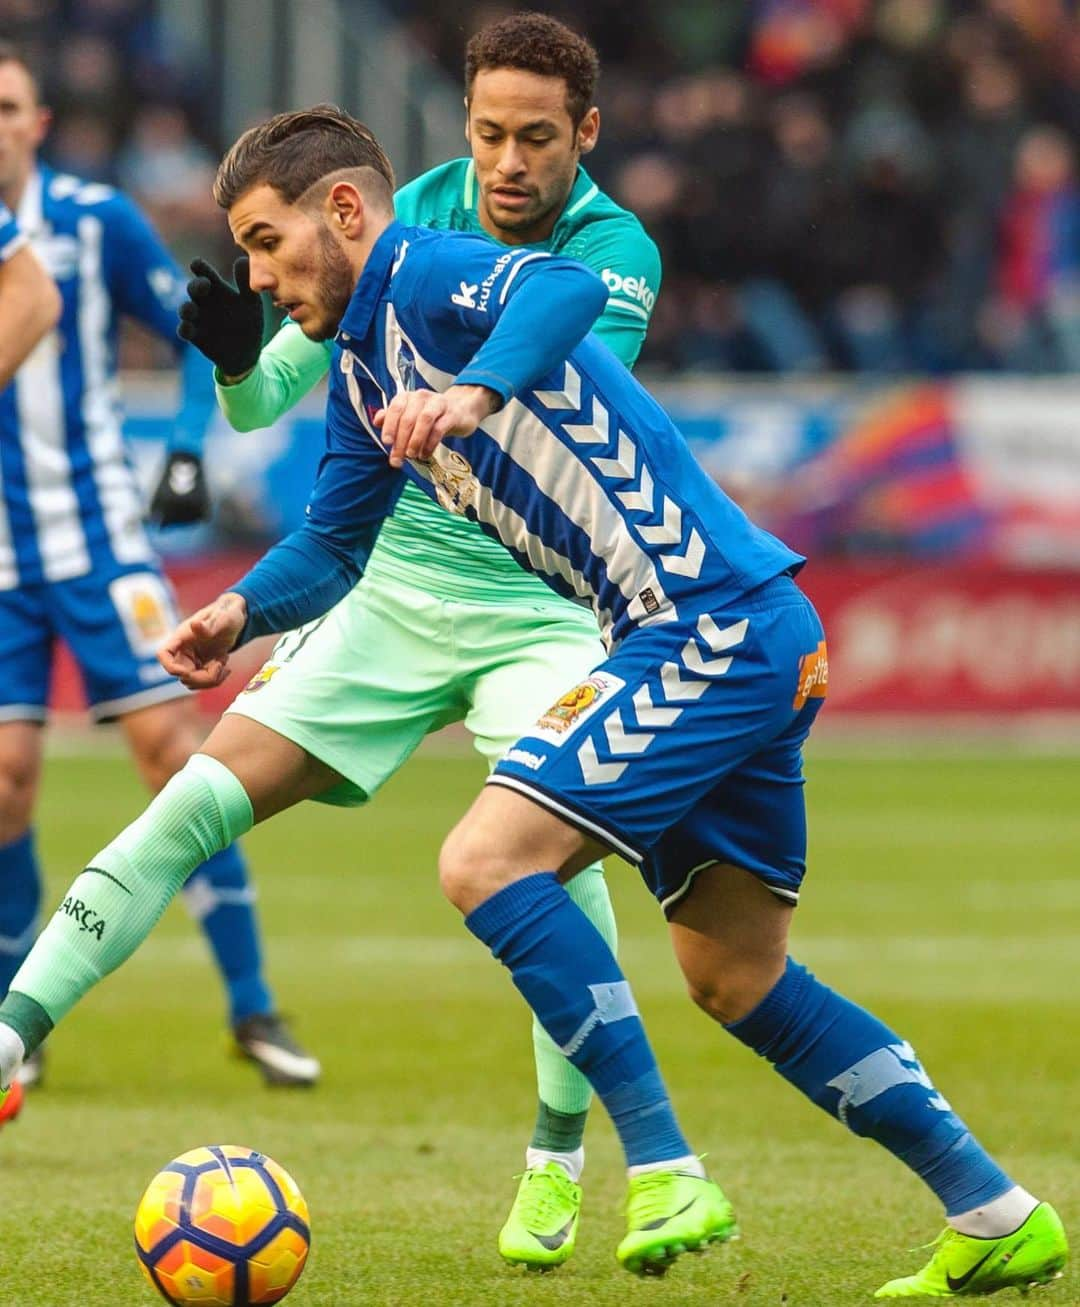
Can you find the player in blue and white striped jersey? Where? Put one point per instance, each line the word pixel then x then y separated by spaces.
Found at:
pixel 682 749
pixel 75 560
pixel 29 301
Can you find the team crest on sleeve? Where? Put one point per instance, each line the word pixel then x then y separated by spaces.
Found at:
pixel 145 608
pixel 576 706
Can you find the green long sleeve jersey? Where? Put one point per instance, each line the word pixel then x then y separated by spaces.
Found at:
pixel 422 545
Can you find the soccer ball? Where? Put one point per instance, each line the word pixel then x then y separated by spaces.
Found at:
pixel 222 1226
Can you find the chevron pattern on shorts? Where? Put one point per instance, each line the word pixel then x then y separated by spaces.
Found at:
pixel 627 741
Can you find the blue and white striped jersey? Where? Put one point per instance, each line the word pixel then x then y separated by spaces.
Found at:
pixel 68 497
pixel 581 474
pixel 11 238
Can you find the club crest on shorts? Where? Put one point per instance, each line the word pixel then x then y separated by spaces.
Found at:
pixel 575 706
pixel 813 676
pixel 265 672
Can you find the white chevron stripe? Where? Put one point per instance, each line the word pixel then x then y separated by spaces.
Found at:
pixel 570 395
pixel 595 772
pixel 619 742
pixel 675 688
pixel 668 534
pixel 718 640
pixel 640 500
pixel 688 563
pixel 624 465
pixel 593 432
pixel 650 715
pixel 696 661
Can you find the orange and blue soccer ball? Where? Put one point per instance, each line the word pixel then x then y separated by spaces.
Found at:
pixel 222 1226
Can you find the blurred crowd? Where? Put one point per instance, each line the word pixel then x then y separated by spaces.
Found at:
pixel 864 185
pixel 128 108
pixel 867 185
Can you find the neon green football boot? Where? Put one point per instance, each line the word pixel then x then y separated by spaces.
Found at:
pixel 541 1230
pixel 669 1213
pixel 964 1266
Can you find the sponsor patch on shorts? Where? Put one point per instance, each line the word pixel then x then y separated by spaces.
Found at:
pixel 564 716
pixel 145 607
pixel 813 676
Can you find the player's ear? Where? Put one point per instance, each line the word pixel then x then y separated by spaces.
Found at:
pixel 466 103
pixel 588 130
pixel 346 208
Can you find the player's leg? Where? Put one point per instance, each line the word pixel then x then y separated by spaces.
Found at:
pixel 242 774
pixel 729 928
pixel 113 620
pixel 528 654
pixel 20 877
pixel 568 975
pixel 730 935
pixel 26 647
pixel 220 897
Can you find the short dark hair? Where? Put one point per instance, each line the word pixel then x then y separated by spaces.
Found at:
pixel 12 53
pixel 537 43
pixel 293 151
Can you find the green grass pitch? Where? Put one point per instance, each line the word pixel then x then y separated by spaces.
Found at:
pixel 944 893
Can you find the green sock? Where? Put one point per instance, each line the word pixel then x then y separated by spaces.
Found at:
pixel 558 1132
pixel 112 905
pixel 564 1092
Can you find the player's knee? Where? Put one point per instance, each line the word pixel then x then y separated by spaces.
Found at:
pixel 160 755
pixel 730 993
pixel 18 789
pixel 471 869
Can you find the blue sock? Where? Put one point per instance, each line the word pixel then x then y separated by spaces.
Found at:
pixel 20 894
pixel 849 1063
pixel 219 897
pixel 569 977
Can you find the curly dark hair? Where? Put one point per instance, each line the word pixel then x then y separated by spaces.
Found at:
pixel 538 44
pixel 293 151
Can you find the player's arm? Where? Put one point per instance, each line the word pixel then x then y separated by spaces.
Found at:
pixel 29 301
pixel 286 370
pixel 537 309
pixel 146 284
pixel 306 574
pixel 627 259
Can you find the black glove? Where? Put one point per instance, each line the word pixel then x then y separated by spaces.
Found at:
pixel 181 496
pixel 224 321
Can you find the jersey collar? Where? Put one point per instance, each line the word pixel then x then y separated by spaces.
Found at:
pixel 360 311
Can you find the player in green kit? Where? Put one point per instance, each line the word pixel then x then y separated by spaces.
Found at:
pixel 463 633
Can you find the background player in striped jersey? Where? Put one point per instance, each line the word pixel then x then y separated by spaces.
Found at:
pixel 682 749
pixel 463 632
pixel 29 300
pixel 75 561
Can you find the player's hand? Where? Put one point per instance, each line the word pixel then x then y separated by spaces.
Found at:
pixel 197 652
pixel 224 321
pixel 181 496
pixel 414 421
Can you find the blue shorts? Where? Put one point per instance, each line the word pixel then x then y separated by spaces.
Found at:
pixel 112 620
pixel 684 748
